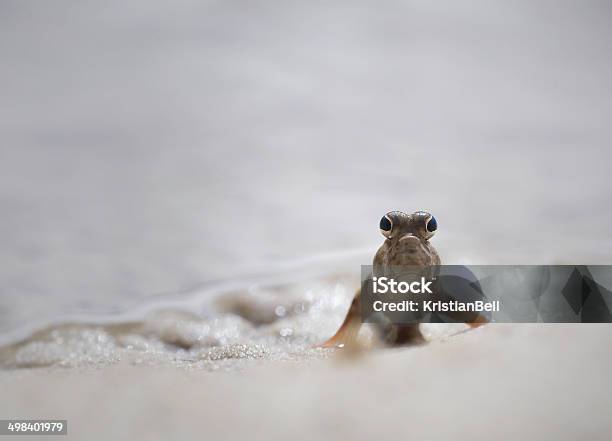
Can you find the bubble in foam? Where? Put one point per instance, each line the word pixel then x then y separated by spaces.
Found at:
pixel 234 351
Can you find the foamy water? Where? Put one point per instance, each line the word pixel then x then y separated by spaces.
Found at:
pixel 226 326
pixel 276 315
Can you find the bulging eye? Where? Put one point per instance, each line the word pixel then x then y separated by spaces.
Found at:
pixel 386 225
pixel 431 225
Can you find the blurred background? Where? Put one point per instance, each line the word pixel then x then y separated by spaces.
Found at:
pixel 146 147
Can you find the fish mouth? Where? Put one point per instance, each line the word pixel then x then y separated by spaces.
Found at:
pixel 410 237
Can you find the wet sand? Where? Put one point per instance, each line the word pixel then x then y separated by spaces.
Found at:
pixel 498 382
